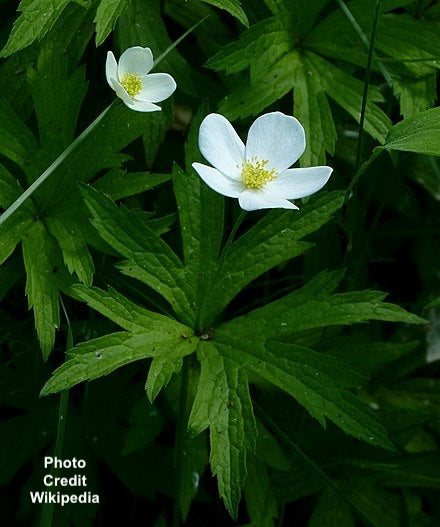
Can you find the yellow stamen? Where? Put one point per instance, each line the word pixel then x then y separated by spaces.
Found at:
pixel 254 175
pixel 132 84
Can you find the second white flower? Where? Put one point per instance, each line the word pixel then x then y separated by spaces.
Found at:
pixel 132 82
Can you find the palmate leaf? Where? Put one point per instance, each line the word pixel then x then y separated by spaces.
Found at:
pixel 273 240
pixel 147 334
pixel 253 341
pixel 223 404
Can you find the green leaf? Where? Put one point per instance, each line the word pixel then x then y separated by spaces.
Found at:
pixel 313 306
pixel 161 370
pixel 346 91
pixel 246 100
pixel 17 142
pixel 15 227
pixel 73 246
pixel 35 20
pixel 106 15
pixel 273 240
pixel 223 404
pixel 119 184
pixel 259 47
pixel 313 111
pixel 57 97
pixel 42 260
pixel 150 259
pixel 231 6
pixel 311 378
pixel 416 94
pixel 127 315
pixel 12 232
pixel 417 133
pixel 99 357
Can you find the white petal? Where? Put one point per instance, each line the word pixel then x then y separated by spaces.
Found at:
pixel 260 199
pixel 218 181
pixel 299 182
pixel 111 68
pixel 135 60
pixel 221 146
pixel 143 106
pixel 156 87
pixel 278 138
pixel 120 92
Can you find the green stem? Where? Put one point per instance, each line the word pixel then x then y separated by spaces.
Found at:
pixel 363 37
pixel 178 41
pixel 60 159
pixel 48 508
pixel 231 236
pixel 182 423
pixel 367 81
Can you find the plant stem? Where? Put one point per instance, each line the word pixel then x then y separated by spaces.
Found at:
pixel 365 41
pixel 182 423
pixel 367 81
pixel 232 234
pixel 48 508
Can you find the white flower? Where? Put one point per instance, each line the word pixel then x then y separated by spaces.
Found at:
pixel 130 80
pixel 258 174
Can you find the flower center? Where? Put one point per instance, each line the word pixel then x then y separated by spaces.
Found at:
pixel 254 175
pixel 132 84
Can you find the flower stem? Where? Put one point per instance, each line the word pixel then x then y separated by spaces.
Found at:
pixel 367 81
pixel 60 159
pixel 48 508
pixel 179 453
pixel 232 234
